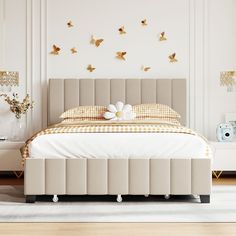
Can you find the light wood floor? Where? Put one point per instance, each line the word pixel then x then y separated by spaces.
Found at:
pixel 118 229
pixel 121 229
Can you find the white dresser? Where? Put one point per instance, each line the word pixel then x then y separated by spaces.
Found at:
pixel 10 157
pixel 224 157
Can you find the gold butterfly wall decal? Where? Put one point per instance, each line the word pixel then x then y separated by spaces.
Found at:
pixel 172 57
pixel 70 24
pixel 122 30
pixel 121 55
pixel 162 36
pixel 90 68
pixel 55 50
pixel 96 42
pixel 144 22
pixel 73 50
pixel 145 68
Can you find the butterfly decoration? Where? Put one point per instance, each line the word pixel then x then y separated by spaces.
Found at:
pixel 122 30
pixel 121 55
pixel 172 57
pixel 162 36
pixel 96 42
pixel 70 24
pixel 73 50
pixel 55 50
pixel 145 68
pixel 144 22
pixel 90 68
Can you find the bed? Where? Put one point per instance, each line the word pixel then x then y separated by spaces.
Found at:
pixel 101 163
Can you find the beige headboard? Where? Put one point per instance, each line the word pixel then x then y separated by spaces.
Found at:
pixel 68 93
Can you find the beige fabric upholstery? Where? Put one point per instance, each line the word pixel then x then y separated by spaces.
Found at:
pixel 71 87
pixel 139 176
pixel 76 174
pixel 180 173
pixel 117 176
pixel 34 176
pixel 160 174
pixel 69 93
pixel 55 176
pixel 97 176
pixel 202 166
pixel 117 91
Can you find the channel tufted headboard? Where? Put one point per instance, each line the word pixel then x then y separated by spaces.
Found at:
pixel 68 93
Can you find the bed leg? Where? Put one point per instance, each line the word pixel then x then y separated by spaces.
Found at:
pixel 119 198
pixel 146 195
pixel 30 198
pixel 205 198
pixel 55 198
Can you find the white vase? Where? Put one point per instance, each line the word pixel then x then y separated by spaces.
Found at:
pixel 18 129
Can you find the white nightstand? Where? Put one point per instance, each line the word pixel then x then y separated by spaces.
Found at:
pixel 10 157
pixel 224 157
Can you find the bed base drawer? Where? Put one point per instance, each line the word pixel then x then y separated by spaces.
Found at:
pixel 117 176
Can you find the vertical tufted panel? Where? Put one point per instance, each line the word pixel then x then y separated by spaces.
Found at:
pixel 179 98
pixel 102 92
pixel 97 172
pixel 118 176
pixel 56 100
pixel 55 176
pixel 71 87
pixel 180 176
pixel 118 90
pixel 160 176
pixel 133 91
pixel 139 176
pixel 34 176
pixel 148 91
pixel 69 93
pixel 76 176
pixel 86 92
pixel 164 92
pixel 201 173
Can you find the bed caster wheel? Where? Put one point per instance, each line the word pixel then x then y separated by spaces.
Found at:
pixel 146 195
pixel 55 198
pixel 119 198
pixel 167 196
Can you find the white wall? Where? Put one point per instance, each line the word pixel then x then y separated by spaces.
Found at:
pixel 102 19
pixel 222 56
pixel 12 52
pixel 201 32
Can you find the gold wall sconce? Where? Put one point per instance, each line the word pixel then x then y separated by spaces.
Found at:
pixel 228 79
pixel 8 79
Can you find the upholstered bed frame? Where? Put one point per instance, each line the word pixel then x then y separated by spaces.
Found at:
pixel 116 176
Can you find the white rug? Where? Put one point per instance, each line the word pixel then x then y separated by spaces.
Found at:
pixel 105 209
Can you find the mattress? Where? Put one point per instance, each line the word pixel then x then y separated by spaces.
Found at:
pixel 118 145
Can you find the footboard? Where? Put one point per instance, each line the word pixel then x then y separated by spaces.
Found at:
pixel 118 176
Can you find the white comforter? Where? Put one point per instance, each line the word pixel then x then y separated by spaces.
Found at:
pixel 118 145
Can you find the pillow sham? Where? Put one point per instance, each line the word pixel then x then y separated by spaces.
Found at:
pixel 85 112
pixel 155 111
pixel 142 111
pixel 74 121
